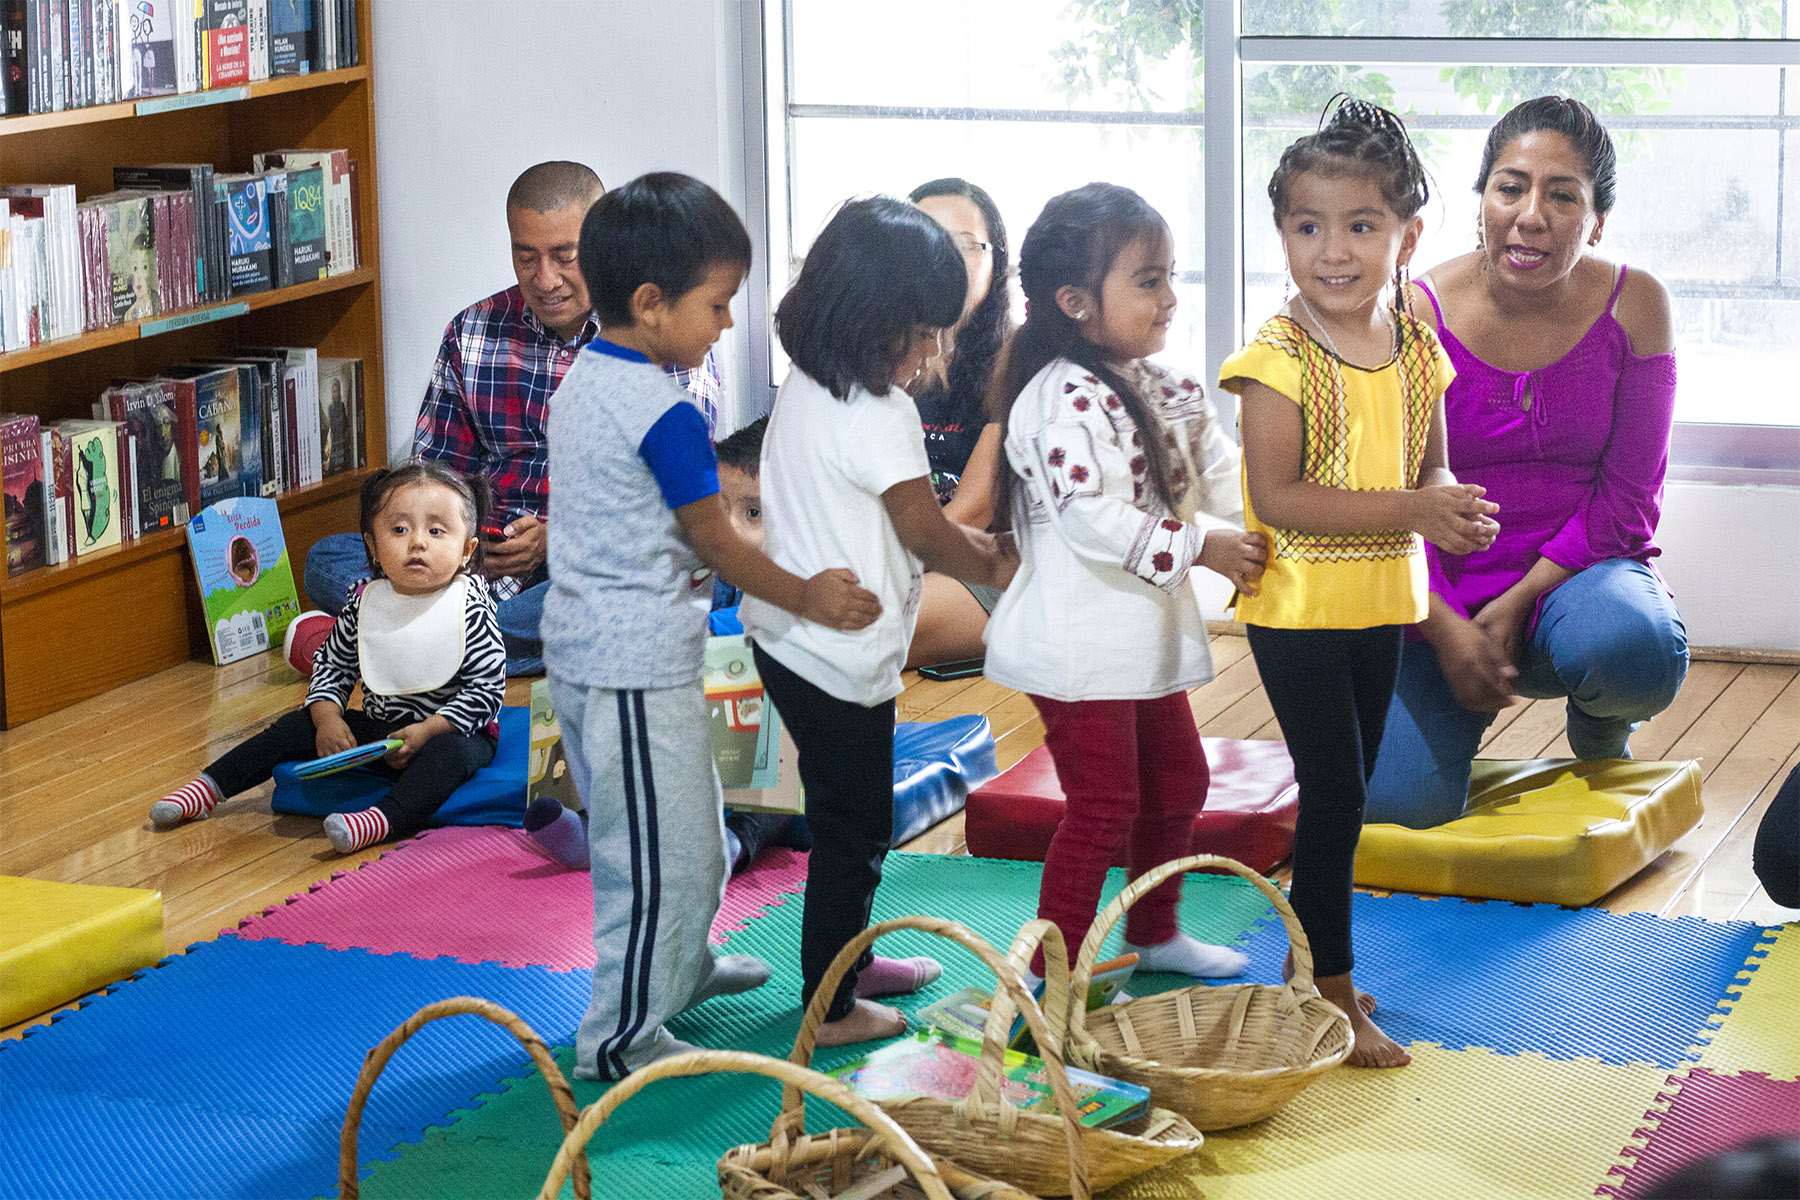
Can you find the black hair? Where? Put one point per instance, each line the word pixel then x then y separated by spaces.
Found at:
pixel 664 228
pixel 472 490
pixel 1074 242
pixel 979 339
pixel 549 186
pixel 1575 121
pixel 879 269
pixel 1757 1170
pixel 743 449
pixel 1356 138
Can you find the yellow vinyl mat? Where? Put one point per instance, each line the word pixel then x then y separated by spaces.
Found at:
pixel 1760 1031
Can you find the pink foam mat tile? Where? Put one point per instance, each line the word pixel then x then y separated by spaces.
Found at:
pixel 1706 1113
pixel 481 894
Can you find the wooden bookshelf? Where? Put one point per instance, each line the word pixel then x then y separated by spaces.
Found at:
pixel 72 631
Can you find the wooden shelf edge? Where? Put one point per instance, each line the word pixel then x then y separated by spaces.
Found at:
pixel 225 311
pixel 113 558
pixel 128 109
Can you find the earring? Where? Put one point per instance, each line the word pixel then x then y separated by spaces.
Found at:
pixel 1480 233
pixel 1081 314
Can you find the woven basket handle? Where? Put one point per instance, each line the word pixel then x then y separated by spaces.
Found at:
pixel 373 1063
pixel 1010 994
pixel 1301 983
pixel 572 1153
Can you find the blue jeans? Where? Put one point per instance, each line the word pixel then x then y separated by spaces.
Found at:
pixel 337 563
pixel 1608 638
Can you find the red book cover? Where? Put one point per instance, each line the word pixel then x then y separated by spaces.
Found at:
pixel 22 482
pixel 187 437
pixel 226 43
pixel 63 451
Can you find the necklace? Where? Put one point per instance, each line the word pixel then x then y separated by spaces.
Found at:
pixel 1331 343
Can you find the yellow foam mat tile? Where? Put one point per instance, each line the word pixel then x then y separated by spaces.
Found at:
pixel 1456 1123
pixel 62 940
pixel 1760 1027
pixel 1552 831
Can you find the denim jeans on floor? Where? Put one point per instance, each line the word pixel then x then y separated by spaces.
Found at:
pixel 338 562
pixel 1608 638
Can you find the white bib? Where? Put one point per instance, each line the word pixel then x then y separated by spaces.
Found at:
pixel 411 644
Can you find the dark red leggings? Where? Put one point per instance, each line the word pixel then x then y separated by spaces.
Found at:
pixel 1133 771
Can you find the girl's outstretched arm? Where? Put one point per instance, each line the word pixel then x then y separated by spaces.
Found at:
pixel 954 550
pixel 830 598
pixel 1451 516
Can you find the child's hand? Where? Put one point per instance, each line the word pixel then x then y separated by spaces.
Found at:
pixel 1454 517
pixel 331 735
pixel 1238 556
pixel 833 598
pixel 413 737
pixel 1003 549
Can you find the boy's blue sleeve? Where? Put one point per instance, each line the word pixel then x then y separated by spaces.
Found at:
pixel 680 455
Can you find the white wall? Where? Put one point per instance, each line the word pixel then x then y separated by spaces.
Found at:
pixel 468 93
pixel 1731 555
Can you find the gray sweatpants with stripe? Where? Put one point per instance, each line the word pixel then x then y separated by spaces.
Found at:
pixel 643 764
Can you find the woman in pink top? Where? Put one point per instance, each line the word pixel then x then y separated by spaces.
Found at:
pixel 1561 408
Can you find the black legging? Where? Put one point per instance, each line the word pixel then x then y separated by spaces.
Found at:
pixel 1777 853
pixel 847 767
pixel 1330 690
pixel 441 766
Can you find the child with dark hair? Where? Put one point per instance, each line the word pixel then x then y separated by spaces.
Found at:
pixel 846 479
pixel 421 637
pixel 1344 469
pixel 1110 457
pixel 639 522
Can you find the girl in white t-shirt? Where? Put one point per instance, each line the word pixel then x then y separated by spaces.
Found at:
pixel 1109 456
pixel 845 481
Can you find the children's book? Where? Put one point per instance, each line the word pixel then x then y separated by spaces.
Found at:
pixel 22 482
pixel 933 1063
pixel 547 771
pixel 92 449
pixel 246 582
pixel 964 1013
pixel 756 759
pixel 343 760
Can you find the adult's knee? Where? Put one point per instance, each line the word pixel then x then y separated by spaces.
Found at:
pixel 1631 664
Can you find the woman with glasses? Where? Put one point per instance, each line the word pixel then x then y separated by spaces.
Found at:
pixel 962 445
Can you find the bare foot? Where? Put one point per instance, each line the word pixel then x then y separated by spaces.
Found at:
pixel 1364 1001
pixel 1373 1047
pixel 867 1022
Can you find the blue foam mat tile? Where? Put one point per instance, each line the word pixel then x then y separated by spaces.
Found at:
pixel 1566 983
pixel 210 1028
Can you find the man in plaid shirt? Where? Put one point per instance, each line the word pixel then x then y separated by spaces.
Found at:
pixel 485 409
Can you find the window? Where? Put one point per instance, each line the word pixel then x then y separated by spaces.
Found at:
pixel 1029 97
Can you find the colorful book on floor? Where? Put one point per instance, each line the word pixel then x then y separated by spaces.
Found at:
pixel 933 1063
pixel 547 771
pixel 22 482
pixel 246 582
pixel 964 1013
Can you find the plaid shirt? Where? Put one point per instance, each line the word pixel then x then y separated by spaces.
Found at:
pixel 490 389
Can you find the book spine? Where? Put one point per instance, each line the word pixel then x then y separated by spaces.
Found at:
pixel 128 477
pixel 59 55
pixel 257 43
pixel 76 46
pixel 65 488
pixel 356 244
pixel 48 513
pixel 280 245
pixel 290 412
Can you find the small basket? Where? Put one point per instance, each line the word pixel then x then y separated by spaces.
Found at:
pixel 1042 1153
pixel 349 1188
pixel 1221 1056
pixel 877 1163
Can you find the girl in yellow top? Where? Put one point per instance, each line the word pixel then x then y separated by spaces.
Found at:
pixel 1344 469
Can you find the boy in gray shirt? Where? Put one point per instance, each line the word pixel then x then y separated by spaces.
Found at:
pixel 639 526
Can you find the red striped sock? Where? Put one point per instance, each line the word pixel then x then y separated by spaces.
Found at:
pixel 186 802
pixel 350 832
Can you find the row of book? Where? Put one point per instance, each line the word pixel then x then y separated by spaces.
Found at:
pixel 170 237
pixel 254 423
pixel 62 54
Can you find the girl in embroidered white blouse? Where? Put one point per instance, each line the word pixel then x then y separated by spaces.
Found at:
pixel 1110 456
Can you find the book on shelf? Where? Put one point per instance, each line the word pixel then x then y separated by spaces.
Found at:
pixel 146 33
pixel 213 456
pixel 118 252
pixel 54 206
pixel 290 37
pixel 224 30
pixel 249 245
pixel 340 237
pixel 300 258
pixel 264 382
pixel 246 581
pixel 153 411
pixel 22 483
pixel 299 410
pixel 339 385
pixel 87 461
pixel 199 231
pixel 933 1063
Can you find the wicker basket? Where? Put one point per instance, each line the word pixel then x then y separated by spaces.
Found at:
pixel 348 1186
pixel 1044 1154
pixel 881 1157
pixel 1221 1056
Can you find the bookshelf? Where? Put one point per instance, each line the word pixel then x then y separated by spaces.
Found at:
pixel 75 630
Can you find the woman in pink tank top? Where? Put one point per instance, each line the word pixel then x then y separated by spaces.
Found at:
pixel 1561 408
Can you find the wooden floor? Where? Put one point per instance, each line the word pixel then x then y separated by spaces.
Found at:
pixel 76 787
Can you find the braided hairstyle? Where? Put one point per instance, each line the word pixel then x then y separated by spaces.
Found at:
pixel 1073 243
pixel 1358 137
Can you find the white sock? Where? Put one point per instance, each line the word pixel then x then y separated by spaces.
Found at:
pixel 1183 955
pixel 187 802
pixel 350 832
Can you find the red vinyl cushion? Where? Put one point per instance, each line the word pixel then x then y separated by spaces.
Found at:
pixel 1249 813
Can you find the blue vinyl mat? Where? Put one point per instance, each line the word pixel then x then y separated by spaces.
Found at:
pixel 226 1071
pixel 1517 978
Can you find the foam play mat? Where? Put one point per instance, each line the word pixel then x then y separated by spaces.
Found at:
pixel 62 940
pixel 1251 804
pixel 1552 1048
pixel 1554 831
